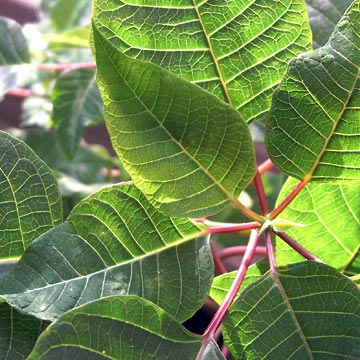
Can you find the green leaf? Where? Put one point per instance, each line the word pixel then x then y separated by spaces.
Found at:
pixel 18 333
pixel 113 243
pixel 306 311
pixel 76 104
pixel 313 131
pixel 13 45
pixel 30 201
pixel 184 148
pixel 237 50
pixel 353 266
pixel 67 14
pixel 126 328
pixel 222 283
pixel 73 38
pixel 330 214
pixel 323 16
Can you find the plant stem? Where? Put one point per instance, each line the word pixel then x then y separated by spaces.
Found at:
pixel 302 251
pixel 270 251
pixel 240 250
pixel 221 312
pixel 20 93
pixel 247 212
pixel 219 266
pixel 261 194
pixel 300 185
pixel 233 228
pixel 265 166
pixel 62 67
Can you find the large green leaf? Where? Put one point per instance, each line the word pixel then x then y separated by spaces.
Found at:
pixel 184 148
pixel 237 50
pixel 13 45
pixel 330 214
pixel 313 131
pixel 30 201
pixel 18 333
pixel 76 104
pixel 126 328
pixel 113 243
pixel 306 311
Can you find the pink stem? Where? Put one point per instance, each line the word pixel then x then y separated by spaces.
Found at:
pixel 270 251
pixel 219 266
pixel 240 250
pixel 300 185
pixel 297 247
pixel 261 194
pixel 21 93
pixel 62 67
pixel 234 228
pixel 221 312
pixel 265 166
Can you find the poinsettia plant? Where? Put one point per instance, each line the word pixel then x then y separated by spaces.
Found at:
pixel 189 92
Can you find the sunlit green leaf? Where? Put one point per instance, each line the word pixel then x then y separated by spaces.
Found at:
pixel 18 333
pixel 184 148
pixel 113 243
pixel 30 201
pixel 126 328
pixel 330 214
pixel 306 311
pixel 237 50
pixel 77 37
pixel 76 104
pixel 314 127
pixel 353 266
pixel 323 16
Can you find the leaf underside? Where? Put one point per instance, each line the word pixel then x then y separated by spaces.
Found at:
pixel 113 243
pixel 189 152
pixel 30 200
pixel 237 50
pixel 330 214
pixel 306 311
pixel 127 328
pixel 314 128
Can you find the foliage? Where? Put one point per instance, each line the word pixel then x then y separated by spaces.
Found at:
pixel 99 266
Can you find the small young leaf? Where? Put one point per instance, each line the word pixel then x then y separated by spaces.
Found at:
pixel 313 131
pixel 331 215
pixel 184 148
pixel 323 15
pixel 305 311
pixel 113 243
pixel 76 104
pixel 237 50
pixel 30 200
pixel 126 328
pixel 18 333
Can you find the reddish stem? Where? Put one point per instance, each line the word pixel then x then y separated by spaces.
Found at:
pixel 225 351
pixel 234 228
pixel 62 67
pixel 219 266
pixel 270 251
pixel 240 250
pixel 260 192
pixel 302 251
pixel 265 166
pixel 299 186
pixel 221 312
pixel 21 93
